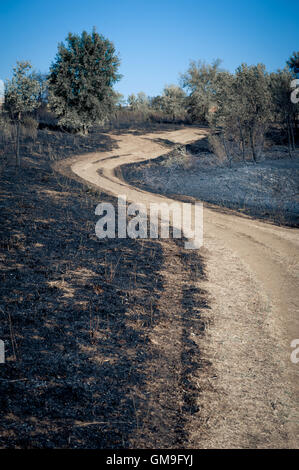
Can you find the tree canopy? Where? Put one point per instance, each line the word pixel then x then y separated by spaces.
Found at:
pixel 293 62
pixel 21 96
pixel 81 80
pixel 199 80
pixel 21 92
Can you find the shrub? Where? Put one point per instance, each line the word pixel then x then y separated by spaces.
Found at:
pixel 7 129
pixel 29 127
pixel 178 158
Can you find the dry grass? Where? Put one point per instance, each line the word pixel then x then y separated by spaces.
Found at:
pixel 117 344
pixel 91 338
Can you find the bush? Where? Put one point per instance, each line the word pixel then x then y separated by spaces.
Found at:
pixel 7 129
pixel 178 158
pixel 29 127
pixel 46 118
pixel 125 118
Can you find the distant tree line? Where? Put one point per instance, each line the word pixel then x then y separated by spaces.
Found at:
pixel 79 89
pixel 238 107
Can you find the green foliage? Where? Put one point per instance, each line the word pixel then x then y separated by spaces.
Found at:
pixel 21 92
pixel 43 92
pixel 21 96
pixel 243 108
pixel 285 110
pixel 139 103
pixel 119 99
pixel 171 105
pixel 293 62
pixel 199 80
pixel 81 80
pixel 280 83
pixel 173 102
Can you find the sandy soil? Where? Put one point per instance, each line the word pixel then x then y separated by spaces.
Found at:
pixel 251 398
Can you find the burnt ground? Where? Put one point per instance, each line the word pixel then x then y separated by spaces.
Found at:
pixel 268 189
pixel 87 323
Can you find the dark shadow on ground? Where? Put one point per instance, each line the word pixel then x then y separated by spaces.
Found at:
pixel 76 313
pixel 150 128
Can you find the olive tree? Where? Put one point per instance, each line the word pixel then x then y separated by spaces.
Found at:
pixel 139 102
pixel 285 110
pixel 199 81
pixel 173 102
pixel 244 107
pixel 81 80
pixel 21 96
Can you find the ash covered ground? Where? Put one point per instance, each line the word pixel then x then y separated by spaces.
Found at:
pixel 266 189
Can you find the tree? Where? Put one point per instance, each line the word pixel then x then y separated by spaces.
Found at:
pixel 43 92
pixel 285 110
pixel 199 80
pixel 293 63
pixel 142 99
pixel 1 93
pixel 139 102
pixel 119 99
pixel 253 90
pixel 81 80
pixel 243 107
pixel 173 102
pixel 132 101
pixel 227 119
pixel 21 96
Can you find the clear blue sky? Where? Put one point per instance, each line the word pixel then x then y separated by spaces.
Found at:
pixel 155 38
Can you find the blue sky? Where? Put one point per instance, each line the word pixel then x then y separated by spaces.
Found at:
pixel 155 39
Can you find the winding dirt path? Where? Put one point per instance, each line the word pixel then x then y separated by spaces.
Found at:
pixel 251 400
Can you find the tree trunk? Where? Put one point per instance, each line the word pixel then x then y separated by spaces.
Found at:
pixel 252 145
pixel 242 141
pixel 226 150
pixel 292 136
pixel 262 145
pixel 289 139
pixel 18 161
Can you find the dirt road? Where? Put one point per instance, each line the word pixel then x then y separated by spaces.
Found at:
pixel 252 280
